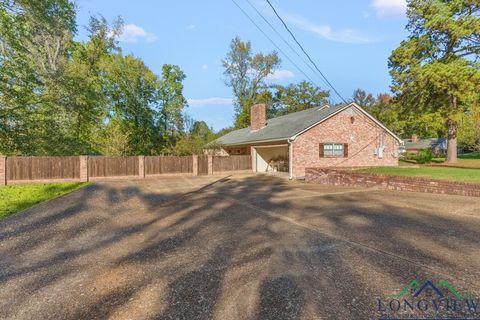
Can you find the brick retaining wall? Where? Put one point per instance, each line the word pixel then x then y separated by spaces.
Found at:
pixel 349 178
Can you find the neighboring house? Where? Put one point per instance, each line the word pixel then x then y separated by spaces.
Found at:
pixel 337 136
pixel 415 145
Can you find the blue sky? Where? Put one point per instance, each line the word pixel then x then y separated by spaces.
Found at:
pixel 350 40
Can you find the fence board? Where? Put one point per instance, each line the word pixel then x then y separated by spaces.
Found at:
pixel 232 163
pixel 202 165
pixel 42 168
pixel 168 165
pixel 112 166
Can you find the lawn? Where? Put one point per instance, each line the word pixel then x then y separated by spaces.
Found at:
pixel 19 197
pixel 442 173
pixel 467 160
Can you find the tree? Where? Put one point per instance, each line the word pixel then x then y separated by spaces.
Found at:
pixel 133 92
pixel 171 102
pixel 194 140
pixel 245 74
pixel 202 130
pixel 35 39
pixel 298 97
pixel 63 97
pixel 363 99
pixel 83 91
pixel 436 70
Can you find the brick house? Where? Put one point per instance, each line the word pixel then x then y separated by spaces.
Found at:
pixel 328 136
pixel 415 145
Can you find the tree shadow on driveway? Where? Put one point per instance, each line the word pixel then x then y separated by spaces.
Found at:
pixel 224 250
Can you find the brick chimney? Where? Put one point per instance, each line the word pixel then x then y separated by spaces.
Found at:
pixel 258 116
pixel 414 138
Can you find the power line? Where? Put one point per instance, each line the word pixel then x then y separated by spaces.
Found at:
pixel 305 52
pixel 283 39
pixel 276 46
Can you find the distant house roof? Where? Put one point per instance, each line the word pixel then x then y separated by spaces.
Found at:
pixel 287 126
pixel 420 144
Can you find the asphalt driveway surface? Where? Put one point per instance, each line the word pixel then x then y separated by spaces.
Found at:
pixel 236 247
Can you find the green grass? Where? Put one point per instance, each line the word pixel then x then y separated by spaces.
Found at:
pixel 20 197
pixel 467 160
pixel 442 173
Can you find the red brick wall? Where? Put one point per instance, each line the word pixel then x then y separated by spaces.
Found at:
pixel 258 116
pixel 362 136
pixel 347 178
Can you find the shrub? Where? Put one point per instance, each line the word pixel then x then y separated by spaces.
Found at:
pixel 424 156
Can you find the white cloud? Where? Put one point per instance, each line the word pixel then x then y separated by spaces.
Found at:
pixel 215 101
pixel 131 33
pixel 325 31
pixel 204 67
pixel 390 8
pixel 191 27
pixel 279 75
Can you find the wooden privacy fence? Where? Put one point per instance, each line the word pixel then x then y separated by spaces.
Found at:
pixel 85 168
pixel 168 165
pixel 112 166
pixel 202 165
pixel 40 168
pixel 232 163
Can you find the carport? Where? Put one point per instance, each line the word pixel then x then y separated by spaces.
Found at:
pixel 270 158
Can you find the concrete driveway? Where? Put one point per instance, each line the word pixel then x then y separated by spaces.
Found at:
pixel 238 247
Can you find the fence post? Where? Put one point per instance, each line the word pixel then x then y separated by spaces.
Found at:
pixel 3 171
pixel 141 166
pixel 210 164
pixel 195 165
pixel 84 168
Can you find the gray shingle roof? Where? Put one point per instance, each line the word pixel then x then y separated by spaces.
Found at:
pixel 440 143
pixel 280 128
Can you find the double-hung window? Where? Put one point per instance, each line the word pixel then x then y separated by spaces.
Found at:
pixel 333 150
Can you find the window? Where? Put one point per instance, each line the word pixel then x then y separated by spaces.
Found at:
pixel 333 150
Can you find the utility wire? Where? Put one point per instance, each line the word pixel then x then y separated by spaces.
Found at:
pixel 283 39
pixel 276 46
pixel 305 52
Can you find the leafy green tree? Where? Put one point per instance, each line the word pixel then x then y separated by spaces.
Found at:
pixel 436 70
pixel 133 92
pixel 245 74
pixel 193 141
pixel 114 139
pixel 171 102
pixel 35 38
pixel 298 97
pixel 202 130
pixel 469 130
pixel 63 97
pixel 83 89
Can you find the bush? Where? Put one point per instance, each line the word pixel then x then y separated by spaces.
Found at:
pixel 410 156
pixel 424 156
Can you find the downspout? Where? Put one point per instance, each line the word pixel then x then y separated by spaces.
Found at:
pixel 290 157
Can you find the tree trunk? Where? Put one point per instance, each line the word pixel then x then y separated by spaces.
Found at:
pixel 452 141
pixel 452 133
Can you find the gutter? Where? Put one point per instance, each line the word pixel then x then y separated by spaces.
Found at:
pixel 246 143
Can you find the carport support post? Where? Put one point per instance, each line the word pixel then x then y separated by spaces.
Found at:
pixel 253 153
pixel 195 165
pixel 210 164
pixel 84 168
pixel 3 171
pixel 141 167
